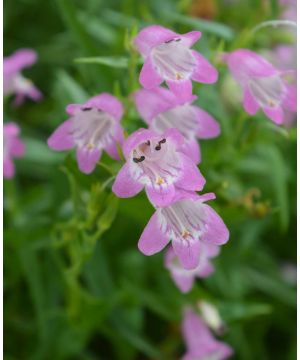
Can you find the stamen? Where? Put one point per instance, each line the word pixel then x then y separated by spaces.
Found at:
pixel 86 109
pixel 159 181
pixel 137 160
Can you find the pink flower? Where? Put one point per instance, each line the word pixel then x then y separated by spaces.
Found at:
pixel 263 85
pixel 186 222
pixel 184 279
pixel 12 147
pixel 199 340
pixel 155 162
pixel 91 128
pixel 14 82
pixel 162 109
pixel 168 57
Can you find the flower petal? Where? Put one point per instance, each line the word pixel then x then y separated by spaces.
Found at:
pixel 17 147
pixel 290 101
pixel 150 103
pixel 184 281
pixel 124 185
pixel 192 150
pixel 275 114
pixel 20 59
pixel 152 36
pixel 107 103
pixel 136 138
pixel 216 231
pixel 62 139
pixel 204 72
pixel 250 104
pixel 188 252
pixel 191 38
pixel 208 126
pixel 182 88
pixel 87 159
pixel 149 78
pixel 161 196
pixel 152 239
pixel 8 168
pixel 191 178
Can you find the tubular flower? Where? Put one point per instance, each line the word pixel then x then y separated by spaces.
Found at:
pixel 91 128
pixel 12 147
pixel 184 279
pixel 199 340
pixel 168 56
pixel 156 163
pixel 162 109
pixel 14 82
pixel 186 222
pixel 263 85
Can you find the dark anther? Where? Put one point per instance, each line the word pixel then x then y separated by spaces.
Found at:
pixel 148 143
pixel 167 42
pixel 99 110
pixel 86 109
pixel 137 160
pixel 177 40
pixel 158 147
pixel 162 141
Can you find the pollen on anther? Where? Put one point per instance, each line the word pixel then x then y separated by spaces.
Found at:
pixel 159 181
pixel 90 146
pixel 185 234
pixel 178 76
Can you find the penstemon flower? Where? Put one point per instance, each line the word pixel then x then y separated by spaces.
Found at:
pixel 162 109
pixel 12 147
pixel 263 85
pixel 155 162
pixel 168 57
pixel 92 127
pixel 200 342
pixel 186 222
pixel 13 80
pixel 184 279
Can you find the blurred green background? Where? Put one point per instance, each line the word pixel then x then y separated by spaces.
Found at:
pixel 75 285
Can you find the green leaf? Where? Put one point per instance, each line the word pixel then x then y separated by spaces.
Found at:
pixel 211 27
pixel 236 311
pixel 111 61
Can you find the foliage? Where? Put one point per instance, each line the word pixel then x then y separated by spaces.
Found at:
pixel 75 285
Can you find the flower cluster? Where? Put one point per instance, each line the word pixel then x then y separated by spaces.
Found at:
pixel 14 83
pixel 163 157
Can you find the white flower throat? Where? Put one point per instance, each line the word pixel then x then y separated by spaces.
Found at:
pixel 183 220
pixel 92 128
pixel 156 162
pixel 268 91
pixel 183 118
pixel 173 60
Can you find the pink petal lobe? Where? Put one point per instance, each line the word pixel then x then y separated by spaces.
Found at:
pixel 149 78
pixel 161 196
pixel 204 72
pixel 152 36
pixel 188 252
pixel 191 178
pixel 208 127
pixel 61 139
pixel 250 104
pixel 87 159
pixel 275 114
pixel 124 185
pixel 152 239
pixel 216 231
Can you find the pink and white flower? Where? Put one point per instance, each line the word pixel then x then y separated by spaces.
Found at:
pixel 187 222
pixel 169 57
pixel 13 147
pixel 155 162
pixel 263 85
pixel 92 127
pixel 184 279
pixel 13 80
pixel 162 109
pixel 200 342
